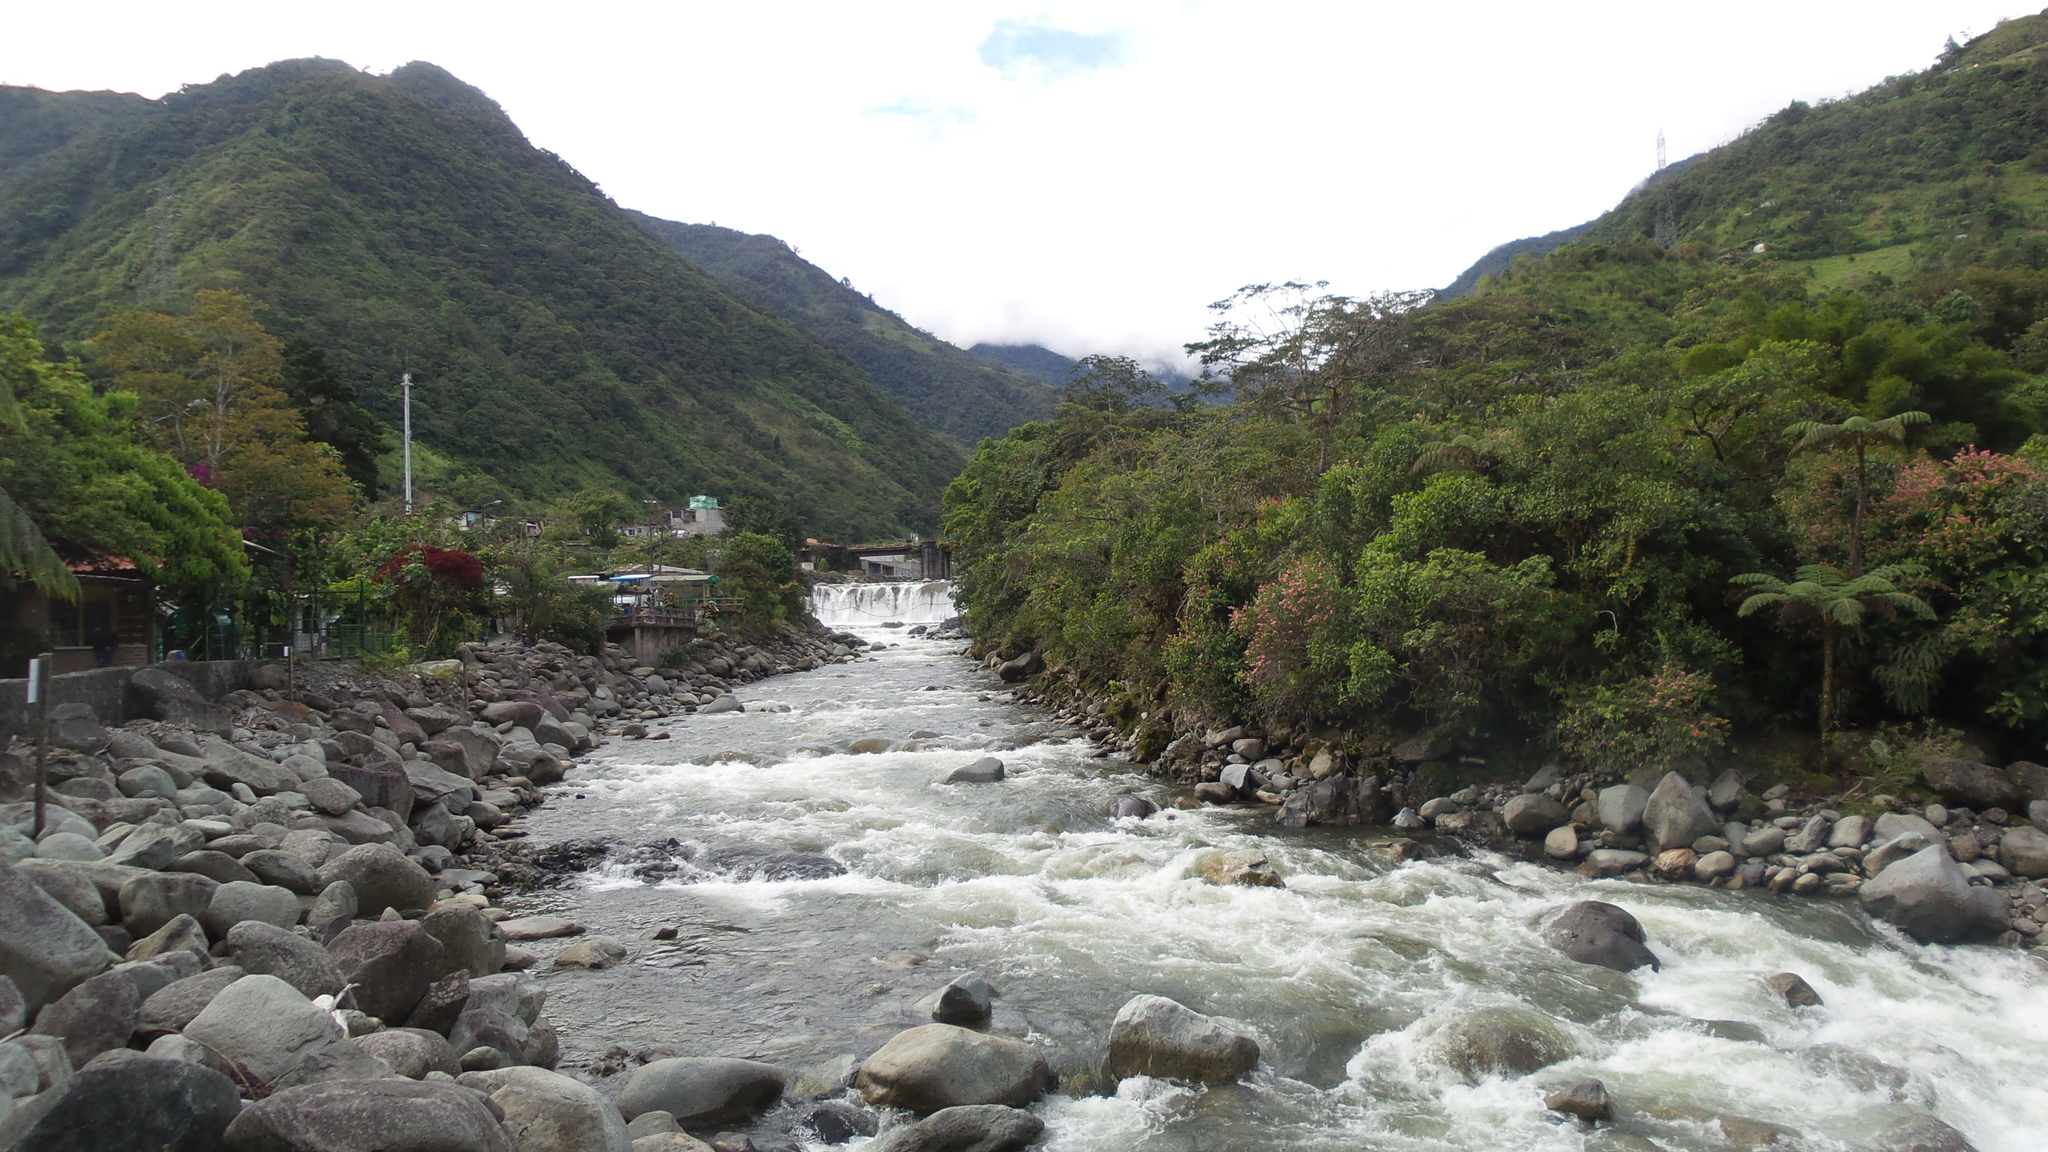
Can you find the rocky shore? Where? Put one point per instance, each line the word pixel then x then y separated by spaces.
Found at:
pixel 270 921
pixel 1966 868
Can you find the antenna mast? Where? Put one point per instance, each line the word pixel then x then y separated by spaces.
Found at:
pixel 405 385
pixel 1665 230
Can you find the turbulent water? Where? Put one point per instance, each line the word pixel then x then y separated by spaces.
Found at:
pixel 866 606
pixel 1351 977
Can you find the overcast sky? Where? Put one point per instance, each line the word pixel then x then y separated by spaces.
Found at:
pixel 1088 176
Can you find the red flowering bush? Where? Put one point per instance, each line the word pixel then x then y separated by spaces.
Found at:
pixel 438 593
pixel 1654 721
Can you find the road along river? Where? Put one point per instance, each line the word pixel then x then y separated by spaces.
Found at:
pixel 822 883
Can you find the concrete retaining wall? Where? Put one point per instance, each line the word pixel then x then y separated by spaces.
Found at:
pixel 105 691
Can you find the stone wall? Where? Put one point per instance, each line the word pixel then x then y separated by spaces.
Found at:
pixel 105 691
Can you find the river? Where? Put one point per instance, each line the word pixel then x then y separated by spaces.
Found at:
pixel 1348 975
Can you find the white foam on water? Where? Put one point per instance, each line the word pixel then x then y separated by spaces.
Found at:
pixel 868 605
pixel 1070 913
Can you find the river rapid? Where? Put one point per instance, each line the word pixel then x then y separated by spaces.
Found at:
pixel 1349 976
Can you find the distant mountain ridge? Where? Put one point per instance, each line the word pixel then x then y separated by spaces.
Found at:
pixel 1033 360
pixel 403 221
pixel 947 391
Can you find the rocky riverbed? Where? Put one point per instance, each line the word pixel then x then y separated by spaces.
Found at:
pixel 886 903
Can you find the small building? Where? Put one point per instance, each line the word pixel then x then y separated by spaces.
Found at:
pixel 112 623
pixel 702 518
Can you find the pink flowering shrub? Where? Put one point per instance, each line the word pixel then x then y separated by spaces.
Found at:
pixel 1654 721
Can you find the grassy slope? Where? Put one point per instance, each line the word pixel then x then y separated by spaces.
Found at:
pixel 947 391
pixel 405 221
pixel 1947 165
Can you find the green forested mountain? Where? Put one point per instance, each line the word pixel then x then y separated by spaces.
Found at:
pixel 1032 360
pixel 404 223
pixel 1625 502
pixel 944 389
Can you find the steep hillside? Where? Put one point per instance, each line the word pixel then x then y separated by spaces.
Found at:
pixel 1937 170
pixel 944 389
pixel 1030 359
pixel 403 222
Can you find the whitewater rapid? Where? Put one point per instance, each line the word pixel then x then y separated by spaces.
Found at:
pixel 1347 976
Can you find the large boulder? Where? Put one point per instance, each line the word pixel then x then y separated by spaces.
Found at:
pixel 181 934
pixel 1675 815
pixel 244 901
pixel 266 950
pixel 369 1116
pixel 2029 779
pixel 1595 932
pixel 1892 825
pixel 154 846
pixel 1968 783
pixel 283 870
pixel 2024 851
pixel 381 784
pixel 1533 814
pixel 71 887
pixel 1621 807
pixel 521 713
pixel 96 1016
pixel 411 1052
pixel 159 695
pixel 278 1037
pixel 1927 897
pixel 1155 1036
pixel 381 877
pixel 471 941
pixel 1498 1042
pixel 499 1012
pixel 44 949
pixel 942 1066
pixel 969 1128
pixel 1021 668
pixel 174 1005
pixel 125 1100
pixel 702 1090
pixel 548 1112
pixel 154 899
pixel 1338 800
pixel 227 766
pixel 391 963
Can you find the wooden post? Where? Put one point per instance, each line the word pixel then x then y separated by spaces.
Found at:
pixel 291 684
pixel 39 695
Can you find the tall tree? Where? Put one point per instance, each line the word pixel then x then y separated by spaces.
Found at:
pixel 209 383
pixel 327 402
pixel 1857 433
pixel 1834 604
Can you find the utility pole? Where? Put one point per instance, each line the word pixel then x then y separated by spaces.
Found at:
pixel 39 695
pixel 405 384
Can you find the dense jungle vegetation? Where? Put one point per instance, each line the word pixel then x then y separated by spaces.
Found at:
pixel 1781 474
pixel 402 222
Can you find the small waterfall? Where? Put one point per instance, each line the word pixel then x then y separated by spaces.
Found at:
pixel 858 605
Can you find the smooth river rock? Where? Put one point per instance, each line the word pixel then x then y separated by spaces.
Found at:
pixel 391 1115
pixel 942 1066
pixel 1155 1036
pixel 1498 1041
pixel 548 1112
pixel 700 1090
pixel 1927 896
pixel 1595 932
pixel 969 1128
pixel 1674 817
pixel 1621 807
pixel 126 1100
pixel 44 949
